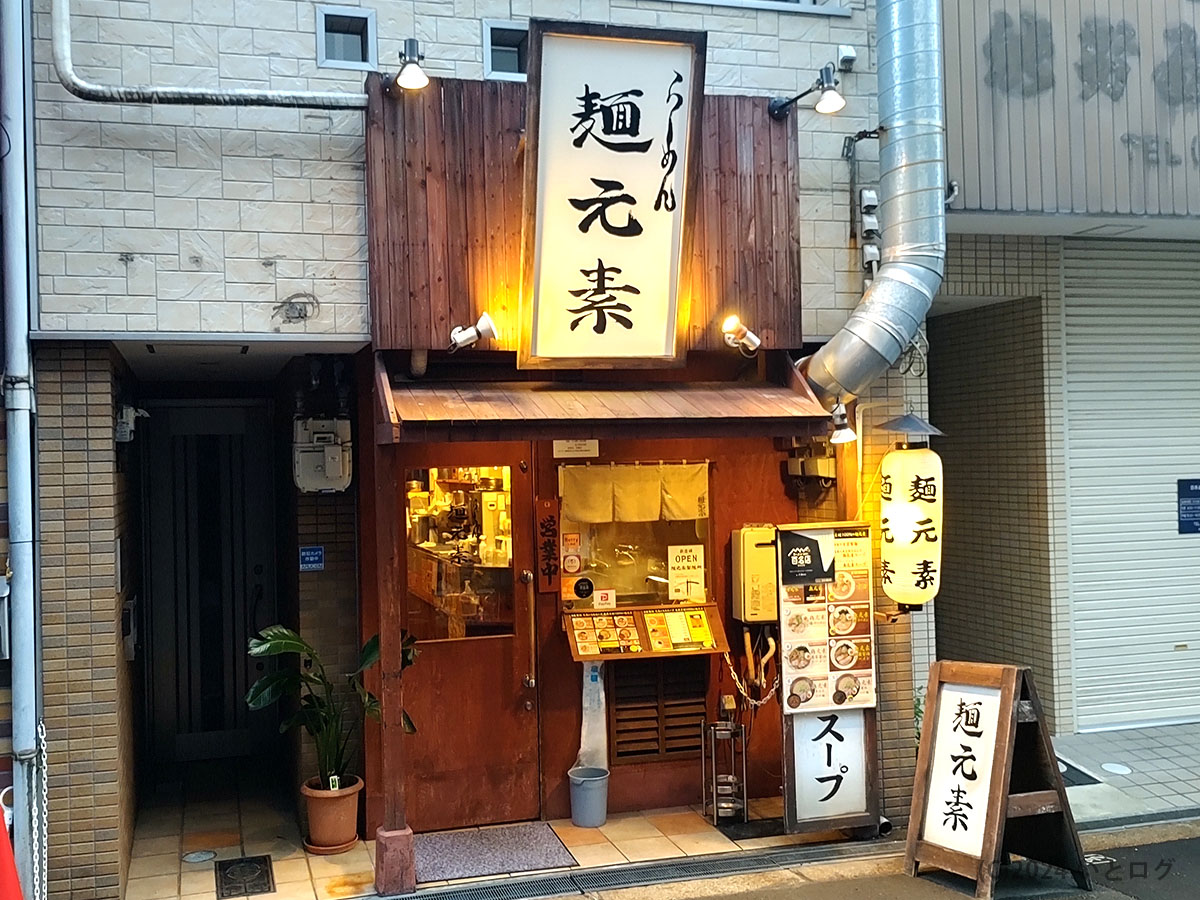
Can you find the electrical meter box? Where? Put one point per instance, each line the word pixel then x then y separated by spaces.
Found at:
pixel 755 579
pixel 321 455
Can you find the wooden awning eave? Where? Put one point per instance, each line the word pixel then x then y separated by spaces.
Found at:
pixel 441 411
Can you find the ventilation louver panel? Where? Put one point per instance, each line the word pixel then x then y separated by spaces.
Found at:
pixel 657 707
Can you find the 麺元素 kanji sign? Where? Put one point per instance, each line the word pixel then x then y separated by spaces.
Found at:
pixel 612 124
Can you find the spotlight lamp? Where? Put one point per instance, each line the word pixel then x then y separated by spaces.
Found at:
pixel 739 337
pixel 829 102
pixel 468 335
pixel 411 76
pixel 843 433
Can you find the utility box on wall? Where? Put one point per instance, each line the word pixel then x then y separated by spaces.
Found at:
pixel 322 455
pixel 755 596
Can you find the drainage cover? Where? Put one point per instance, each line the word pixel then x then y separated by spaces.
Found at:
pixel 244 876
pixel 755 828
pixel 1073 776
pixel 199 856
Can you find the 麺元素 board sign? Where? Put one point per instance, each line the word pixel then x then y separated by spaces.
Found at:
pixel 613 131
pixel 987 784
pixel 826 617
pixel 964 744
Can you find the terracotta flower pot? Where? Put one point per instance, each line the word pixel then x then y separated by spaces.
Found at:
pixel 332 816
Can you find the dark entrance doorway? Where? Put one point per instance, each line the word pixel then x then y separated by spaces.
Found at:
pixel 210 578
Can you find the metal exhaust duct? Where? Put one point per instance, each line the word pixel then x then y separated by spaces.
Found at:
pixel 912 180
pixel 64 68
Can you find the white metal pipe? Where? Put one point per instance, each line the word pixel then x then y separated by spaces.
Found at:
pixel 16 86
pixel 64 67
pixel 912 166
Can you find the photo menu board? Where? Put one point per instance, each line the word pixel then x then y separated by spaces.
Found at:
pixel 826 617
pixel 644 633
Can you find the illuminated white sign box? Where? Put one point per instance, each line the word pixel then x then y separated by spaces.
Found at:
pixel 613 122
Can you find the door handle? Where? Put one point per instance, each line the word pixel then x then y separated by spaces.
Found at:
pixel 530 679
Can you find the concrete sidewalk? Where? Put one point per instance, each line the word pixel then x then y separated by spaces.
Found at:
pixel 851 881
pixel 883 878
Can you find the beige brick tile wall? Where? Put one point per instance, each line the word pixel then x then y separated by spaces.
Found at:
pixel 86 684
pixel 329 599
pixel 204 219
pixel 903 646
pixel 996 390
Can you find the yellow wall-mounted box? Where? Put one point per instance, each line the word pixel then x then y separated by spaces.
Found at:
pixel 755 579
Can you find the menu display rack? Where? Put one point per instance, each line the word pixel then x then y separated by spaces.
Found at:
pixel 645 633
pixel 826 617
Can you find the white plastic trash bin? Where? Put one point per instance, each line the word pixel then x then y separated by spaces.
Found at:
pixel 589 796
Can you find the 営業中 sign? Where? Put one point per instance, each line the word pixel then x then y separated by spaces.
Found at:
pixel 613 130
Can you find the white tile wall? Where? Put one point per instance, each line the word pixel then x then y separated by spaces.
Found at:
pixel 184 219
pixel 996 374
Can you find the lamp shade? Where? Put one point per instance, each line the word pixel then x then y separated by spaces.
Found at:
pixel 830 102
pixel 412 77
pixel 910 524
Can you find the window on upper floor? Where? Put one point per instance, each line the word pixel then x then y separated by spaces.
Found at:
pixel 346 38
pixel 505 50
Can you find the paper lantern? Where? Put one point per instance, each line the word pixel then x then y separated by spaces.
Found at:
pixel 910 524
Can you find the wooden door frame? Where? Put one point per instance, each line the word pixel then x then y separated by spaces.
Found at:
pixel 384 583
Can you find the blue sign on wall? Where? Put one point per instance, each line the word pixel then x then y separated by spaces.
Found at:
pixel 1189 505
pixel 312 559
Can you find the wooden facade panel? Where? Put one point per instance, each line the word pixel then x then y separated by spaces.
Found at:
pixel 445 201
pixel 1074 106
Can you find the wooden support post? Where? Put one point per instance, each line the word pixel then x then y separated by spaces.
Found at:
pixel 382 582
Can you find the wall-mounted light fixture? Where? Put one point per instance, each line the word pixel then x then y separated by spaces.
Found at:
pixel 411 76
pixel 467 335
pixel 830 100
pixel 739 337
pixel 843 432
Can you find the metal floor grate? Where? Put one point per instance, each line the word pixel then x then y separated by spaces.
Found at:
pixel 244 876
pixel 509 889
pixel 672 870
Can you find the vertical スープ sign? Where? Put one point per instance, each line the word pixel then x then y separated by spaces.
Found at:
pixel 612 116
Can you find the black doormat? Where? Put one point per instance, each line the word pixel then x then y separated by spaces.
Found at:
pixel 244 876
pixel 755 828
pixel 1073 777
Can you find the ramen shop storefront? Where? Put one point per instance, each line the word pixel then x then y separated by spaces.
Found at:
pixel 521 558
pixel 552 508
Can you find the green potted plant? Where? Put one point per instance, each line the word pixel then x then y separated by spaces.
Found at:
pixel 331 796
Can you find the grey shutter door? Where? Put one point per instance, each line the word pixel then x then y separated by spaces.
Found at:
pixel 1132 319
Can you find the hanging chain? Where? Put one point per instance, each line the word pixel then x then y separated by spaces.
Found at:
pixel 754 704
pixel 38 803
